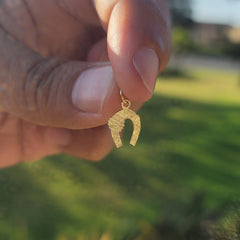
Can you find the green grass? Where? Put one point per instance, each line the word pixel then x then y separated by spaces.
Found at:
pixel 184 172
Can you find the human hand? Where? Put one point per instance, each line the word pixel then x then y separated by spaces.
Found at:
pixel 63 63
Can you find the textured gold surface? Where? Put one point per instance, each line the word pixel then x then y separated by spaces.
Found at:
pixel 117 122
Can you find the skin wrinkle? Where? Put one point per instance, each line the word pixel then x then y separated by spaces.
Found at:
pixel 23 64
pixel 8 34
pixel 31 72
pixel 35 42
pixel 39 78
pixel 34 22
pixel 8 7
pixel 63 6
pixel 98 31
pixel 46 83
pixel 50 52
pixel 6 10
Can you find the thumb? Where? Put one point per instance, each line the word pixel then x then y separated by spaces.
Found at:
pixel 55 92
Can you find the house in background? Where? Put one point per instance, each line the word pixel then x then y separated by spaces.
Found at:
pixel 234 35
pixel 208 34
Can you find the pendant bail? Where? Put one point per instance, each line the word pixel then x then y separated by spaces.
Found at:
pixel 126 104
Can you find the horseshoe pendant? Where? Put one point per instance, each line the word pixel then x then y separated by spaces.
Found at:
pixel 117 122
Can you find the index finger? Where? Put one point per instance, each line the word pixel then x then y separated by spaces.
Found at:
pixel 138 43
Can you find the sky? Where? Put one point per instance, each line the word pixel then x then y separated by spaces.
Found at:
pixel 217 11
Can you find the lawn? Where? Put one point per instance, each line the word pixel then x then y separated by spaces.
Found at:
pixel 182 178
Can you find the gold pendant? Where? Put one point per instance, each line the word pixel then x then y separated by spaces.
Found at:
pixel 117 122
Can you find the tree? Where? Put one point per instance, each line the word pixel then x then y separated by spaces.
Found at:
pixel 183 7
pixel 181 12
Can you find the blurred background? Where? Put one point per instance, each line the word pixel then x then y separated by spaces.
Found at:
pixel 181 181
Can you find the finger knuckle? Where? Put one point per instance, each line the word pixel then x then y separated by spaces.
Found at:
pixel 37 86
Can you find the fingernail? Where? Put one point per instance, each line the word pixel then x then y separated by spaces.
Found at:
pixel 147 65
pixel 91 88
